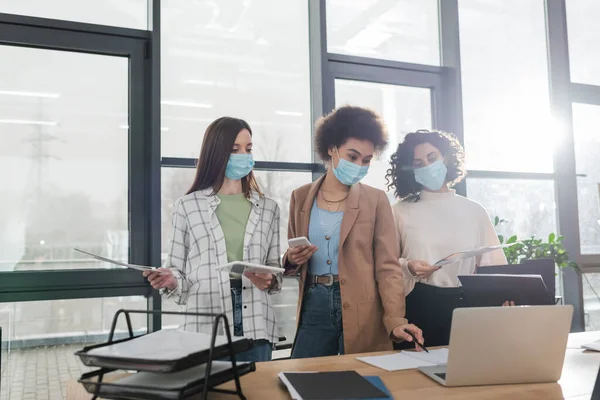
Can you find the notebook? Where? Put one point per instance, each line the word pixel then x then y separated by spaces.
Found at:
pixel 335 385
pixel 408 360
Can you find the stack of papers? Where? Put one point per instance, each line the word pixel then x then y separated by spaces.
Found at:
pixel 408 360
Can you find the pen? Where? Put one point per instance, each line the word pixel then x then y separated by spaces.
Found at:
pixel 415 340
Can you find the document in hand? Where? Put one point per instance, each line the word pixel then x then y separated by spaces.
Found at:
pixel 115 262
pixel 330 385
pixel 463 255
pixel 408 360
pixel 239 267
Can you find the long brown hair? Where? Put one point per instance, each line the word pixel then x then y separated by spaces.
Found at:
pixel 217 145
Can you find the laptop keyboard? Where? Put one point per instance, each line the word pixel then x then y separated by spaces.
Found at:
pixel 441 375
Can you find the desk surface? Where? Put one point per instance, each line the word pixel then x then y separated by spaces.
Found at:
pixel 577 381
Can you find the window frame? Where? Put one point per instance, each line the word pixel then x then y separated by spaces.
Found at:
pixel 135 45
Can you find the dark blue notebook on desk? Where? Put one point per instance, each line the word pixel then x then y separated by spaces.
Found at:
pixel 334 385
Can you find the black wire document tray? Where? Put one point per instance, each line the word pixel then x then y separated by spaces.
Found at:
pixel 162 351
pixel 162 386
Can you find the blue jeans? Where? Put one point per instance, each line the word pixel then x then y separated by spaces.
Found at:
pixel 320 332
pixel 263 349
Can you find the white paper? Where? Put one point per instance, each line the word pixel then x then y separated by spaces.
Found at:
pixel 408 360
pixel 163 345
pixel 463 255
pixel 594 346
pixel 239 267
pixel 115 262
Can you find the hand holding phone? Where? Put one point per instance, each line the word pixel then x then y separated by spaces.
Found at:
pixel 300 251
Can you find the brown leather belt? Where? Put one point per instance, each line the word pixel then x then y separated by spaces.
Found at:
pixel 325 280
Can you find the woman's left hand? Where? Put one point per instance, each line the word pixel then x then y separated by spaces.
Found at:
pixel 261 281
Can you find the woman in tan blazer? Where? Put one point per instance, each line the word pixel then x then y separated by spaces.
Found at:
pixel 351 296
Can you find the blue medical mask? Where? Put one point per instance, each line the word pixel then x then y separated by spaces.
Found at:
pixel 239 166
pixel 432 176
pixel 349 173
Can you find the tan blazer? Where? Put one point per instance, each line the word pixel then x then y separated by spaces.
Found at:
pixel 368 263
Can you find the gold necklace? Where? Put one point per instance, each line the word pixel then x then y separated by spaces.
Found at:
pixel 338 202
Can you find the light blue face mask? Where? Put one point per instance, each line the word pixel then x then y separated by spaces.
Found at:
pixel 239 166
pixel 432 176
pixel 349 173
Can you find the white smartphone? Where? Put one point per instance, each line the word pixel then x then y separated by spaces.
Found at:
pixel 239 267
pixel 300 241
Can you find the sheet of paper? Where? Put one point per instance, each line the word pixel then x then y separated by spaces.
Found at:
pixel 408 360
pixel 594 346
pixel 463 255
pixel 436 356
pixel 115 262
pixel 395 362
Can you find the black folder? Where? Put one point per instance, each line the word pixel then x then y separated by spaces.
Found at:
pixel 333 385
pixel 493 290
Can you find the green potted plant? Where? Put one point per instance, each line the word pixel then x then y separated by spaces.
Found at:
pixel 534 248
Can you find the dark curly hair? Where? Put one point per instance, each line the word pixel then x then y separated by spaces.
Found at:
pixel 349 122
pixel 401 178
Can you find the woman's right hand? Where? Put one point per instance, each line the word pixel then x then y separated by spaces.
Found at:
pixel 421 269
pixel 161 278
pixel 300 255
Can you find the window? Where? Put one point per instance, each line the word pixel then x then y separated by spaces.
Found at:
pixel 405 30
pixel 36 333
pixel 584 36
pixel 586 119
pixel 122 13
pixel 63 158
pixel 404 109
pixel 528 206
pixel 591 301
pixel 505 86
pixel 242 59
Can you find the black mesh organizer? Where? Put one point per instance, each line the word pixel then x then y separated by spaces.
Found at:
pixel 185 365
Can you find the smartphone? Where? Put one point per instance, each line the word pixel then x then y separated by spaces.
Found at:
pixel 300 241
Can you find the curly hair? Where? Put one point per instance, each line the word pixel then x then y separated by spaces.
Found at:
pixel 401 178
pixel 349 122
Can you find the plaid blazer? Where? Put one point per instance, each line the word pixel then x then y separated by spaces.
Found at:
pixel 198 246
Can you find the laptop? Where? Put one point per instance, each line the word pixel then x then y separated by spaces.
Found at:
pixel 505 345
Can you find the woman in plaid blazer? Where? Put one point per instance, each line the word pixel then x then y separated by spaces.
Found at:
pixel 224 217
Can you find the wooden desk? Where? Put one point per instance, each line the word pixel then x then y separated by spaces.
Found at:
pixel 577 381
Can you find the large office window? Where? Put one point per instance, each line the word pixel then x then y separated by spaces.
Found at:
pixel 121 13
pixel 507 121
pixel 243 59
pixel 584 36
pixel 586 120
pixel 63 158
pixel 527 206
pixel 405 30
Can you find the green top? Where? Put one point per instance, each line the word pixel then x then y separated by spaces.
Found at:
pixel 233 214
